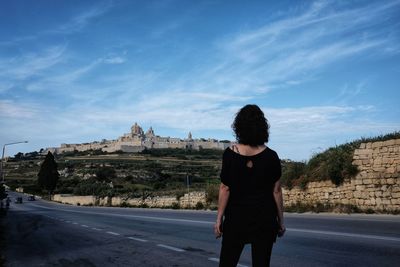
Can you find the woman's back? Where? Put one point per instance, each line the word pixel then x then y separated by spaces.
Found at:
pixel 251 207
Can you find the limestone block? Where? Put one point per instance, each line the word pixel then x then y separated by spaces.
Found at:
pixel 390 181
pixel 378 193
pixel 362 145
pixel 398 168
pixel 367 181
pixel 368 145
pixel 378 201
pixel 367 202
pixel 396 195
pixel 395 201
pixel 397 141
pixel 376 144
pixel 379 169
pixel 366 162
pixel 372 193
pixel 358 181
pixel 360 201
pixel 360 187
pixel 365 195
pixel 386 201
pixel 388 161
pixel 357 194
pixel 391 142
pixel 373 201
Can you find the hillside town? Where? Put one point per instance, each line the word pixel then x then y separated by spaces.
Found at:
pixel 138 140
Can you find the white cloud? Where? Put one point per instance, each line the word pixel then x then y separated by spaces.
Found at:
pixel 11 110
pixel 80 21
pixel 304 44
pixel 114 60
pixel 25 66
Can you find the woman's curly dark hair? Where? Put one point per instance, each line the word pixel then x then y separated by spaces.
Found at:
pixel 250 126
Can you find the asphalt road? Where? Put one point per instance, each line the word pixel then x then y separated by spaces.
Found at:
pixel 41 233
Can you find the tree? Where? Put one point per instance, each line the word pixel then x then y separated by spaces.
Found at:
pixel 48 175
pixel 19 156
pixel 105 174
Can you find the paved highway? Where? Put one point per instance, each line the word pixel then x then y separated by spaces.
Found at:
pixel 41 233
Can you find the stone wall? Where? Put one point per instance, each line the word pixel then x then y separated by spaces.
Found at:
pixel 186 201
pixel 376 186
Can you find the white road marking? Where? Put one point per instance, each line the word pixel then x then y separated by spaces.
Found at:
pixel 137 239
pixel 83 225
pixel 171 248
pixel 97 229
pixel 74 223
pixel 386 238
pixel 68 221
pixel 112 233
pixel 343 234
pixel 213 259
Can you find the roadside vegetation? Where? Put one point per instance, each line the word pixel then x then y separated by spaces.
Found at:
pixel 333 164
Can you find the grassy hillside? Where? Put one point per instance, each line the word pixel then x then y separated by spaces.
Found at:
pixel 333 164
pixel 161 171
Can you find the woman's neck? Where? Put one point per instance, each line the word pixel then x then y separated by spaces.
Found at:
pixel 248 150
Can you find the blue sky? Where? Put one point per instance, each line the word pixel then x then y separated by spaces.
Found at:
pixel 324 72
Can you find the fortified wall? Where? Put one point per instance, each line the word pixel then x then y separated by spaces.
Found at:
pixel 376 187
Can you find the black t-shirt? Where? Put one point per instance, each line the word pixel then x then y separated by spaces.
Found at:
pixel 251 211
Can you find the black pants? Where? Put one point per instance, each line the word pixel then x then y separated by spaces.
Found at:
pixel 260 253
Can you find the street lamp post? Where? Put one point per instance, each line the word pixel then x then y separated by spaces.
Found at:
pixel 2 157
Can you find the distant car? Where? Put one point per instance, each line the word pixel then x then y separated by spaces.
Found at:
pixel 31 198
pixel 18 200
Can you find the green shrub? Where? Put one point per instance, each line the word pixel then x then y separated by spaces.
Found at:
pixel 124 204
pixel 199 206
pixel 144 205
pixel 179 194
pixel 333 164
pixel 291 171
pixel 105 174
pixel 175 206
pixel 212 193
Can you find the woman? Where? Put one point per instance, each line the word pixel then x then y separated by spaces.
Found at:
pixel 250 204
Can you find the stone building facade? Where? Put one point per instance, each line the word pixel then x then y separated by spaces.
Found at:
pixel 138 140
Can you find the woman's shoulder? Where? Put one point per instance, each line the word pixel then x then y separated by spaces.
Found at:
pixel 271 152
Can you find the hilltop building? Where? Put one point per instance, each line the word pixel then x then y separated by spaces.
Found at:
pixel 137 141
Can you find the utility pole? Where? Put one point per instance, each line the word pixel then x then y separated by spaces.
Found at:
pixel 188 188
pixel 2 158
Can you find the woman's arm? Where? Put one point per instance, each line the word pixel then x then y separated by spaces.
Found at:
pixel 223 198
pixel 279 204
